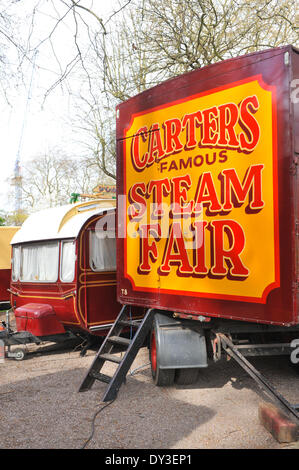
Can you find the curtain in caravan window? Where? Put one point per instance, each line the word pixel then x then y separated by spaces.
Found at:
pixel 29 266
pixel 68 254
pixel 16 253
pixel 102 248
pixel 39 262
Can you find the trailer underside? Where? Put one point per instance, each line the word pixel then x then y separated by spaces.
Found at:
pixel 229 338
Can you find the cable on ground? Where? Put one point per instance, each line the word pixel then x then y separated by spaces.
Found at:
pixel 93 423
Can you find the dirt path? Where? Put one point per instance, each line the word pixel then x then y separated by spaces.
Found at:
pixel 42 409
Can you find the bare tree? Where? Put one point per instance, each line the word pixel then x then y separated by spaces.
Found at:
pixel 12 48
pixel 150 41
pixel 145 41
pixel 49 180
pixel 94 120
pixel 122 69
pixel 193 33
pixel 142 43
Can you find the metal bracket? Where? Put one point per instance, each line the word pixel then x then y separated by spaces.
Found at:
pixel 233 352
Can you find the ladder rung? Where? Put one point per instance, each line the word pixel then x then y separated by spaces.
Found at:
pixel 101 377
pixel 111 358
pixel 119 340
pixel 132 347
pixel 128 323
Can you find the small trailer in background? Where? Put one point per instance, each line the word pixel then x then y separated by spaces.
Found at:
pixel 63 281
pixel 208 210
pixel 6 234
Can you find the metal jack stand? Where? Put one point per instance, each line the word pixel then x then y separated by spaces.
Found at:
pixel 283 404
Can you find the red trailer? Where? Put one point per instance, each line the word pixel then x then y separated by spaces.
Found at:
pixel 64 273
pixel 220 146
pixel 6 234
pixel 207 182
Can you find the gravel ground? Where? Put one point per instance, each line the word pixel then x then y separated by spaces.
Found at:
pixel 42 409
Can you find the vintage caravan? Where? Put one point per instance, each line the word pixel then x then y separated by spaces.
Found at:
pixel 64 270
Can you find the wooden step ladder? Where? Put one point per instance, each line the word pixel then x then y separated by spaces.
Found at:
pixel 111 345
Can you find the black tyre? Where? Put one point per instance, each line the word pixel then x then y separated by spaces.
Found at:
pixel 161 377
pixel 186 376
pixel 19 354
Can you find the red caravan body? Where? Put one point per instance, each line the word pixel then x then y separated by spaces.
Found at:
pixel 225 138
pixel 86 300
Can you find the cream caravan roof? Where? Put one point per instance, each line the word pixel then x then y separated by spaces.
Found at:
pixel 60 222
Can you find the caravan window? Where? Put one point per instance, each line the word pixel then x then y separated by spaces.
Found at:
pixel 15 268
pixel 39 262
pixel 68 258
pixel 102 249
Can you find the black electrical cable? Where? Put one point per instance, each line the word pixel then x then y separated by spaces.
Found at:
pixel 93 423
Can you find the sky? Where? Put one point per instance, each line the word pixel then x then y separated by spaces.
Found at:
pixel 27 128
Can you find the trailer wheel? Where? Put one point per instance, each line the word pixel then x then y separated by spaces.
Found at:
pixel 161 377
pixel 19 354
pixel 186 376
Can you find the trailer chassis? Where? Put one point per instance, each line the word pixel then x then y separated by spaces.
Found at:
pixel 9 338
pixel 221 341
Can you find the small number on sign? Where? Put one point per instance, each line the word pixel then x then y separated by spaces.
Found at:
pixel 124 291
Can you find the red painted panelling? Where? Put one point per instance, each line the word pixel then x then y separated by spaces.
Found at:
pixel 96 293
pixel 4 284
pixel 59 295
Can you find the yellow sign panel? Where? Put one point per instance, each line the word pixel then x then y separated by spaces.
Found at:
pixel 6 234
pixel 201 185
